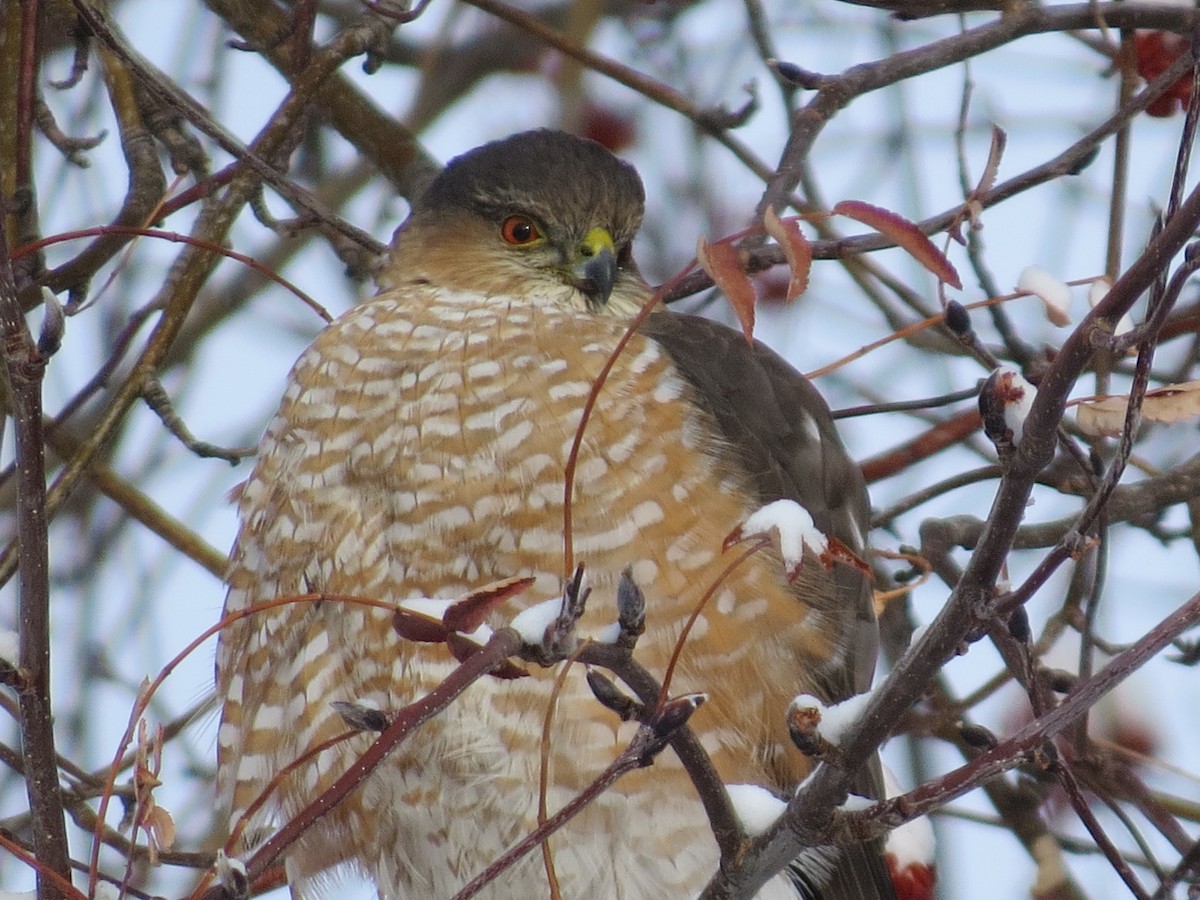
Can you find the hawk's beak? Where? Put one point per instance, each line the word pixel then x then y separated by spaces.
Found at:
pixel 596 270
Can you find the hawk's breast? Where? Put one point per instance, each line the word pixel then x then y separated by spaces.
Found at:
pixel 420 450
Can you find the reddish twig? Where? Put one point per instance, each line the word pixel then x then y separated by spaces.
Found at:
pixel 944 434
pixel 177 238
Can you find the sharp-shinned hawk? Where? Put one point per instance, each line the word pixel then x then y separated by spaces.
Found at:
pixel 419 451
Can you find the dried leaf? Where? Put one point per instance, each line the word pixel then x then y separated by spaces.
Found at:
pixel 796 250
pixel 973 206
pixel 462 647
pixel 904 234
pixel 995 153
pixel 144 782
pixel 469 613
pixel 1173 403
pixel 1102 418
pixel 161 827
pixel 723 264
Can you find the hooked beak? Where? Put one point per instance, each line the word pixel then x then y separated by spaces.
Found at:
pixel 596 269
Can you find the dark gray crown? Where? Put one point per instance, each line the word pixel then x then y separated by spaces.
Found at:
pixel 562 181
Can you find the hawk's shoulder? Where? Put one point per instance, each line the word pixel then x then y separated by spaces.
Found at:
pixel 774 419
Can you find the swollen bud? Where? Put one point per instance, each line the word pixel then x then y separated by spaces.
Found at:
pixel 957 319
pixel 1018 625
pixel 612 697
pixel 360 717
pixel 977 736
pixel 1005 400
pixel 631 610
pixel 675 713
pixel 53 325
pixel 1060 681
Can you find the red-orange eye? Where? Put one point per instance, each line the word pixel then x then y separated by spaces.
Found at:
pixel 519 230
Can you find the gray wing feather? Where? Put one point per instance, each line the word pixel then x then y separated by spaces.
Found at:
pixel 784 439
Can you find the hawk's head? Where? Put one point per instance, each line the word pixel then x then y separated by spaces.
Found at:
pixel 540 215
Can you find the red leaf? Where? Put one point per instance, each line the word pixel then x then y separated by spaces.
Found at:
pixel 414 626
pixel 796 249
pixel 904 234
pixel 1156 51
pixel 724 265
pixel 469 613
pixel 771 287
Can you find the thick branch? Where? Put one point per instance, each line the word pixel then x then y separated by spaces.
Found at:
pixel 24 367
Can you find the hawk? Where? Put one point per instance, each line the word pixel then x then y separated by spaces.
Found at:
pixel 419 451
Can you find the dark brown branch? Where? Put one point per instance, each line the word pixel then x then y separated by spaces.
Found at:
pixel 307 86
pixel 1096 830
pixel 714 123
pixel 157 399
pixel 1097 503
pixel 70 147
pixel 724 822
pixel 1128 503
pixel 146 183
pixel 24 368
pixel 186 278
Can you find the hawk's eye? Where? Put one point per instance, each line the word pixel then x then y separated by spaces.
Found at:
pixel 519 230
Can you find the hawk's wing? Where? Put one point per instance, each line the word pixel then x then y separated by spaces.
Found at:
pixel 780 433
